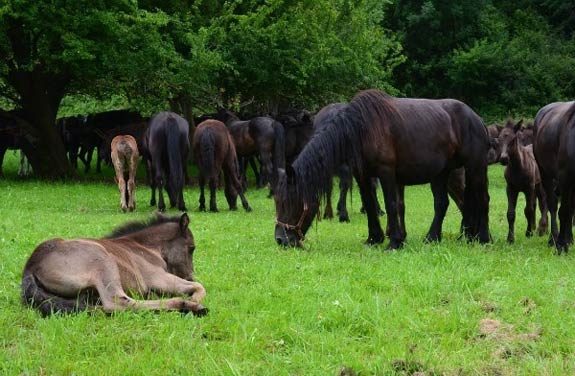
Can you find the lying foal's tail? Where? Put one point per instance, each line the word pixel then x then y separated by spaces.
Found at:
pixel 36 296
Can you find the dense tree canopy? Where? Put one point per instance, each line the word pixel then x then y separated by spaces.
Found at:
pixel 502 57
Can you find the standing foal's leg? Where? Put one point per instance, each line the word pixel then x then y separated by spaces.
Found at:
pixel 132 182
pixel 511 205
pixel 119 168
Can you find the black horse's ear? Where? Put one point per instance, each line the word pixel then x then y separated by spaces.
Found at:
pixel 517 126
pixel 290 174
pixel 184 222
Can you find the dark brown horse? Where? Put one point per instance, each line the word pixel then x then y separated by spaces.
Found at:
pixel 521 175
pixel 66 276
pixel 262 136
pixel 554 149
pixel 214 152
pixel 401 142
pixel 165 148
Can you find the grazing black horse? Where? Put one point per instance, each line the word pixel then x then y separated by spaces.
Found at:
pixel 402 142
pixel 261 135
pixel 214 152
pixel 165 148
pixel 521 175
pixel 554 149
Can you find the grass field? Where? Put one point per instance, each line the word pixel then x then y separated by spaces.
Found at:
pixel 438 309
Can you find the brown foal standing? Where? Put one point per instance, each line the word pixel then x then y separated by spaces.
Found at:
pixel 125 160
pixel 522 175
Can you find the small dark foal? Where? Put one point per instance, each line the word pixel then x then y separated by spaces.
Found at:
pixel 522 175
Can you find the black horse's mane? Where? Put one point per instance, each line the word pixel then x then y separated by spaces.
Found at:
pixel 339 140
pixel 133 227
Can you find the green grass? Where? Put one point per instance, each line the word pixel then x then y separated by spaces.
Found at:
pixel 308 311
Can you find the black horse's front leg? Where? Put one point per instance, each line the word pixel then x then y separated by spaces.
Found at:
pixel 375 233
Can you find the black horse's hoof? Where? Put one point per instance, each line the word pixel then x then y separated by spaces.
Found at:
pixel 374 240
pixel 214 210
pixel 432 238
pixel 344 219
pixel 248 209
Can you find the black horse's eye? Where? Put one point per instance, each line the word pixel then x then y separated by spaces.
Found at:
pixel 192 248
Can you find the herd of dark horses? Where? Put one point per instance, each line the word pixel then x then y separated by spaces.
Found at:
pixel 375 139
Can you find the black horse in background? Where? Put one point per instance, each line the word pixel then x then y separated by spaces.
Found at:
pixel 82 135
pixel 298 128
pixel 401 142
pixel 554 149
pixel 166 148
pixel 12 136
pixel 261 136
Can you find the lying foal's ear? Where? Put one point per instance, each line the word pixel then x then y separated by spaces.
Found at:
pixel 184 222
pixel 517 126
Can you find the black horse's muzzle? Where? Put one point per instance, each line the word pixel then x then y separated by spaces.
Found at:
pixel 287 237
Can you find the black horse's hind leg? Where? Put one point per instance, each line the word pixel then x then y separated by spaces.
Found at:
pixel 476 203
pixel 401 211
pixel 88 160
pixel 511 205
pixel 551 196
pixel 150 172
pixel 257 174
pixel 213 183
pixel 230 192
pixel 375 234
pixel 565 237
pixel 440 205
pixel 345 183
pixel 2 152
pixel 542 201
pixel 233 185
pixel 202 183
pixel 530 206
pixel 328 211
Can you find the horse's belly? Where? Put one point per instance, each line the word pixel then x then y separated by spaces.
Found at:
pixel 414 174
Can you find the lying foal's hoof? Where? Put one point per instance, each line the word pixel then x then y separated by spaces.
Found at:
pixel 195 308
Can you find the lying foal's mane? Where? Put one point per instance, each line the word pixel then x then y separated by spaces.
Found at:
pixel 136 226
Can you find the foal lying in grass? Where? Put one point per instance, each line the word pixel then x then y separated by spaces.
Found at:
pixel 68 276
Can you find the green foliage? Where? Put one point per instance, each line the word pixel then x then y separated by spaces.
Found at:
pixel 305 53
pixel 501 57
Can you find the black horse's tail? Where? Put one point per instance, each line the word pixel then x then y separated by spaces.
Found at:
pixel 36 296
pixel 206 161
pixel 279 150
pixel 174 157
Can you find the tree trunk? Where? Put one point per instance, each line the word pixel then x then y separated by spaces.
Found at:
pixel 40 97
